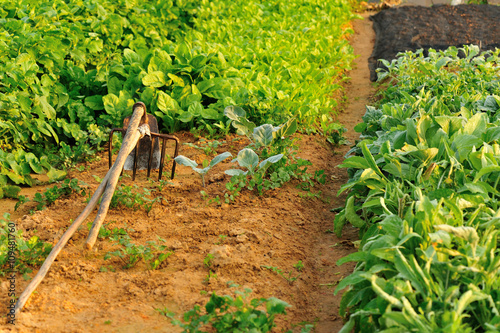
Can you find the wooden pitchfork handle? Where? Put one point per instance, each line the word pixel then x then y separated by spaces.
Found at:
pixel 107 187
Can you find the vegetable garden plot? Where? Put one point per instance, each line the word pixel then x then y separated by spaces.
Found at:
pixel 411 28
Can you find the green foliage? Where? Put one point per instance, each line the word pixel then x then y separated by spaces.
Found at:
pixel 63 189
pixel 183 160
pixel 208 147
pixel 72 70
pixel 291 279
pixel 28 253
pixel 231 314
pixel 132 197
pixel 425 189
pixel 152 254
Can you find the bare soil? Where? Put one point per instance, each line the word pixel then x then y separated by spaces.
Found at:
pixel 85 293
pixel 410 28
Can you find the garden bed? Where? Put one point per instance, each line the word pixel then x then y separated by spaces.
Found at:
pixel 411 28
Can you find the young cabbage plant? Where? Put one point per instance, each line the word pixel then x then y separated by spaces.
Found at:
pixel 248 159
pixel 263 135
pixel 183 160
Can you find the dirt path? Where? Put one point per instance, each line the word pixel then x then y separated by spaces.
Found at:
pixel 328 247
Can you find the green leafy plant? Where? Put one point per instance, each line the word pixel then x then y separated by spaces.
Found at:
pixel 65 188
pixel 423 190
pixel 231 314
pixel 182 160
pixel 131 196
pixel 70 84
pixel 152 254
pixel 208 260
pixel 299 266
pixel 30 253
pixel 208 147
pixel 291 279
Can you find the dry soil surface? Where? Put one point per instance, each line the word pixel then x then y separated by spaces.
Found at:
pixel 83 292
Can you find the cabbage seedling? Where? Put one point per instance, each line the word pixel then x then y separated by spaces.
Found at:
pixel 183 160
pixel 248 159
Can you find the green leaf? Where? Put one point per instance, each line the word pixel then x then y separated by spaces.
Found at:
pixel 183 160
pixel 263 135
pixel 155 79
pixel 219 158
pixel 356 162
pixel 370 160
pixel 485 171
pixel 47 109
pixel 270 160
pixel 234 112
pixel 166 103
pixel 94 102
pixel 55 175
pixel 247 158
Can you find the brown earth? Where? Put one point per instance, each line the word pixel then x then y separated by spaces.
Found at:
pixel 400 29
pixel 85 293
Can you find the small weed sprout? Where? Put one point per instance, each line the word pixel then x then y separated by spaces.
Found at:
pixel 299 266
pixel 208 260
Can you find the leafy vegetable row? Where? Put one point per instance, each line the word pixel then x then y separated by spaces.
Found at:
pixel 424 185
pixel 71 70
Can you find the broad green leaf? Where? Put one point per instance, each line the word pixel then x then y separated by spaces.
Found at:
pixel 155 79
pixel 370 160
pixel 94 102
pixel 467 233
pixel 47 109
pixel 219 158
pixel 270 160
pixel 247 158
pixel 235 172
pixel 166 103
pixel 183 160
pixel 485 171
pixel 185 117
pixel 476 125
pixel 286 129
pixel 55 175
pixel 356 162
pixel 442 62
pixel 209 113
pixel 234 112
pixel 263 135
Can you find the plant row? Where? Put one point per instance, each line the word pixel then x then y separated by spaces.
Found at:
pixel 70 71
pixel 424 193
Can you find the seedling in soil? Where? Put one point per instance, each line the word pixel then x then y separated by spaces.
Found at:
pixel 152 254
pixel 131 197
pixel 208 260
pixel 299 266
pixel 50 195
pixel 291 279
pixel 222 238
pixel 183 160
pixel 29 252
pixel 228 314
pixel 210 275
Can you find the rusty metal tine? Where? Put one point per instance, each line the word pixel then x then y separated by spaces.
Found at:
pixel 136 157
pixel 175 155
pixel 150 161
pixel 162 158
